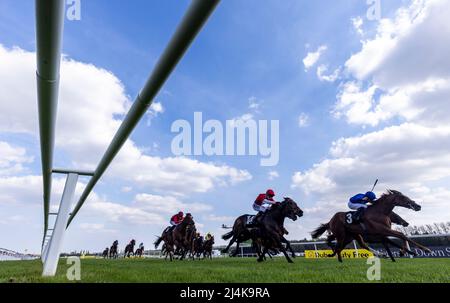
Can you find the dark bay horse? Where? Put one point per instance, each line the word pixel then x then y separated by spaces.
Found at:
pixel 179 238
pixel 140 250
pixel 114 251
pixel 129 249
pixel 197 247
pixel 376 227
pixel 105 253
pixel 207 248
pixel 271 232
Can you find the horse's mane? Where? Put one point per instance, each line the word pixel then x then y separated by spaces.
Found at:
pixel 390 192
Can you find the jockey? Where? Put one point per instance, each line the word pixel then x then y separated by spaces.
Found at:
pixel 359 203
pixel 208 237
pixel 177 219
pixel 262 203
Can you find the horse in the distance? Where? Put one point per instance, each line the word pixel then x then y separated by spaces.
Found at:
pixel 105 253
pixel 139 251
pixel 207 248
pixel 270 234
pixel 197 247
pixel 114 250
pixel 375 228
pixel 129 249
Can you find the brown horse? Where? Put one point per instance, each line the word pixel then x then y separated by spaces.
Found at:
pixel 376 226
pixel 129 249
pixel 271 232
pixel 197 247
pixel 177 238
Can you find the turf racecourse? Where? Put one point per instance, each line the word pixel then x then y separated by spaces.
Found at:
pixel 232 270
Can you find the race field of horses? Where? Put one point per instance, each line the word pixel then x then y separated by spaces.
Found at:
pixel 238 270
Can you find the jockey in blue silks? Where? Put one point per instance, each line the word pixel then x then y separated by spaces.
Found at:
pixel 359 203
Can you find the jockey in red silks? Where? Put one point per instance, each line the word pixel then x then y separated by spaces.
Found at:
pixel 177 219
pixel 262 203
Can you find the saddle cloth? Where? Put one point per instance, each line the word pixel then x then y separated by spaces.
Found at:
pixel 249 221
pixel 350 217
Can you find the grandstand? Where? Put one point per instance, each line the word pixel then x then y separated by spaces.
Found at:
pixel 9 255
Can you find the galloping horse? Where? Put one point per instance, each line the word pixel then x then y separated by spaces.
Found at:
pixel 183 236
pixel 129 249
pixel 376 226
pixel 207 248
pixel 105 253
pixel 178 238
pixel 113 251
pixel 271 232
pixel 140 250
pixel 197 247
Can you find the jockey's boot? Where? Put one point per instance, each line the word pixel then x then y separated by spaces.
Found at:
pixel 359 214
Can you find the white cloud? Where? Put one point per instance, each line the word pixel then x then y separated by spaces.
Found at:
pixel 254 104
pixel 91 100
pixel 272 175
pixel 401 77
pixel 155 109
pixel 303 120
pixel 168 205
pixel 12 159
pixel 403 71
pixel 357 25
pixel 312 57
pixel 126 189
pixel 220 219
pixel 322 69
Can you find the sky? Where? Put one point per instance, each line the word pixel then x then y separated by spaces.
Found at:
pixel 360 91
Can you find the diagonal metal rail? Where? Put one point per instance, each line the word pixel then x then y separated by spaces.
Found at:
pixel 190 26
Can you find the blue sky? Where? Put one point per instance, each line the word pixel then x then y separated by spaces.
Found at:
pixel 248 52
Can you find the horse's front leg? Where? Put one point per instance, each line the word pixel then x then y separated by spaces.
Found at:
pixel 389 252
pixel 400 247
pixel 237 249
pixel 261 258
pixel 288 246
pixel 364 245
pixel 397 234
pixel 231 243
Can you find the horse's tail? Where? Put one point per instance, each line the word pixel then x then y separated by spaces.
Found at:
pixel 320 230
pixel 157 242
pixel 228 235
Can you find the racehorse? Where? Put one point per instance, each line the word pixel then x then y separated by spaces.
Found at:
pixel 207 248
pixel 178 238
pixel 105 253
pixel 270 233
pixel 129 249
pixel 197 247
pixel 183 236
pixel 376 226
pixel 113 251
pixel 140 250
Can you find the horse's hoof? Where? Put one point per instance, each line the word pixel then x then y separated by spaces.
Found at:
pixel 290 261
